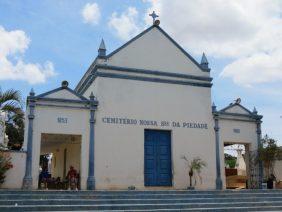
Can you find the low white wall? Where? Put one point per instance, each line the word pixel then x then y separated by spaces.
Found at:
pixel 14 176
pixel 278 170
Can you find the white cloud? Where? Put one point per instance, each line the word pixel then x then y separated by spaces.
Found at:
pixel 272 122
pixel 12 67
pixel 91 13
pixel 125 24
pixel 246 31
pixel 257 68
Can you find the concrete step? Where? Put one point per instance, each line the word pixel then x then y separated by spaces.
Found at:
pixel 171 200
pixel 130 195
pixel 168 206
pixel 243 191
pixel 52 201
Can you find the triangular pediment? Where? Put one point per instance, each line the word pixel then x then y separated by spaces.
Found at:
pixel 236 109
pixel 62 93
pixel 154 49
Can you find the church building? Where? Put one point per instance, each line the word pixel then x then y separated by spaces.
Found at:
pixel 132 118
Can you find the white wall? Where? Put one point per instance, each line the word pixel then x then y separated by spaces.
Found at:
pixel 14 176
pixel 119 149
pixel 246 136
pixel 45 121
pixel 278 170
pixel 154 51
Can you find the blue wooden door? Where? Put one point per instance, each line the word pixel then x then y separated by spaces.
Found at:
pixel 157 158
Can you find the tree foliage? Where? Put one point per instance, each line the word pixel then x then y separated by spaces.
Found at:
pixel 5 165
pixel 11 104
pixel 15 130
pixel 10 101
pixel 268 153
pixel 195 166
pixel 230 160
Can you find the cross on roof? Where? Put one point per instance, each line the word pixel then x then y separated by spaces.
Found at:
pixel 154 16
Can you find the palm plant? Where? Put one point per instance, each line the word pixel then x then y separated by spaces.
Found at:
pixel 194 166
pixel 10 101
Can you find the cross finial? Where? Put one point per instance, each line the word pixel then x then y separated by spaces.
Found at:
pixel 154 16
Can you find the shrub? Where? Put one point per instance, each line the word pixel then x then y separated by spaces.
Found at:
pixel 5 165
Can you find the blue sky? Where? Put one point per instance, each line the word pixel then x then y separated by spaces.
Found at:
pixel 57 40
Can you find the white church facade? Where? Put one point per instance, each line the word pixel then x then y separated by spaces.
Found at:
pixel 132 117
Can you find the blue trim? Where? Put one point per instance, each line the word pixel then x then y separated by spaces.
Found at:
pixel 93 68
pixel 251 116
pixel 233 105
pixel 260 163
pixel 165 34
pixel 218 181
pixel 158 80
pixel 62 100
pixel 77 94
pixel 182 50
pixel 59 89
pixel 91 162
pixel 63 106
pixel 130 41
pixel 86 73
pixel 88 81
pixel 154 72
pixel 236 119
pixel 90 78
pixel 49 92
pixel 27 180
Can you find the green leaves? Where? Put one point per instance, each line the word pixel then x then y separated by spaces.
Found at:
pixel 268 153
pixel 5 165
pixel 10 101
pixel 195 166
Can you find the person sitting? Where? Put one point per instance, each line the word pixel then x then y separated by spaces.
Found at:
pixel 72 177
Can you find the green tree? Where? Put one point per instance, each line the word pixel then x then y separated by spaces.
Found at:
pixel 268 153
pixel 10 101
pixel 15 130
pixel 230 160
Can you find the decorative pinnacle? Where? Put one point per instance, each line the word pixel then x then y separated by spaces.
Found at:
pixel 204 59
pixel 255 111
pixel 213 107
pixel 102 44
pixel 154 16
pixel 31 93
pixel 102 49
pixel 92 97
pixel 204 62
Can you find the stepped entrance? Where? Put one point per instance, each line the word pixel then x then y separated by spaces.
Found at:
pixel 60 161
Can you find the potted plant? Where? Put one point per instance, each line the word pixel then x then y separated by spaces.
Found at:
pixel 195 166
